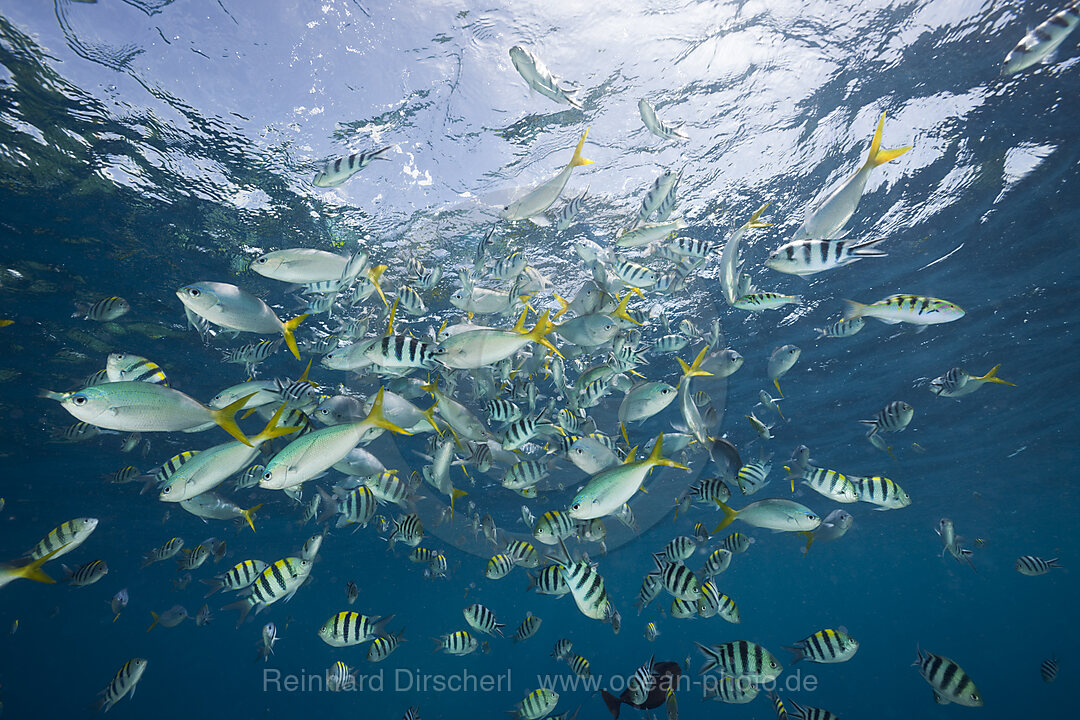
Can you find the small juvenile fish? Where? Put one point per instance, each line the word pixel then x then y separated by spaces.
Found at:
pixel 170 618
pixel 841 328
pixel 958 382
pixel 527 628
pixel 657 126
pixel 118 603
pixel 1041 44
pixel 782 359
pixel 825 646
pixel 122 684
pixel 949 681
pixel 1049 669
pixel 104 310
pixel 894 417
pixel 540 78
pixel 567 214
pixel 336 172
pixel 1032 565
pixel 87 574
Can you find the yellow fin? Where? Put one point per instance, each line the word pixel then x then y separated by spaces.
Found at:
pixel 694 369
pixel 287 329
pixel 776 382
pixel 656 457
pixel 809 540
pixel 791 476
pixel 248 513
pixel 565 306
pixel 226 418
pixel 373 275
pixel 540 331
pixel 390 322
pixel 153 623
pixel 879 155
pixel 519 326
pixel 624 437
pixel 377 419
pixel 991 377
pixel 429 415
pixel 630 455
pixel 578 160
pixel 729 516
pixel 754 221
pixel 33 571
pixel 620 310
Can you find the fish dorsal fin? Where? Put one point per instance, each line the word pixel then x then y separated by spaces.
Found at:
pixel 519 326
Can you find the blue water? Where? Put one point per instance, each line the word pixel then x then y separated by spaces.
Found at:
pixel 146 144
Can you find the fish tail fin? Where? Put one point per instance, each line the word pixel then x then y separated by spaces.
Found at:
pixel 519 326
pixel 33 571
pixel 287 329
pixel 50 395
pixel 226 418
pixel 866 248
pixel 454 495
pixel 540 332
pixel 390 320
pixel 797 652
pixel 578 160
pixel 373 275
pixel 429 415
pixel 613 703
pixel 729 516
pixel 755 219
pixel 792 476
pixel 153 623
pixel 272 430
pixel 656 457
pixel 694 368
pixel 244 605
pixel 879 155
pixel 776 382
pixel 564 306
pixel 1053 562
pixel 376 417
pixel 991 376
pixel 809 540
pixel 853 309
pixel 247 514
pixel 620 310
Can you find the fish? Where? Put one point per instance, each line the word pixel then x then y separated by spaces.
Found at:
pixel 1041 43
pixel 482 619
pixel 828 483
pixel 894 417
pixel 1049 669
pixel 345 628
pixel 651 633
pixel 304 266
pixel 238 577
pixel 203 617
pixel 912 309
pixel 104 310
pixel 772 514
pixel 957 382
pixel 658 127
pixel 125 366
pixel 170 618
pixel 841 328
pixel 381 647
pixel 232 308
pixel 62 539
pixel 729 259
pixel 647 233
pixel 717 562
pixel 1031 565
pixel 760 301
pixel 833 527
pixel 825 646
pixel 606 491
pixel 527 628
pixel 27 569
pixel 782 359
pixel 564 219
pixel 947 533
pixel 123 683
pixel 828 218
pixel 536 202
pixel 118 602
pixel 540 79
pixel 537 704
pixel 948 680
pixel 666 679
pixel 458 642
pixel 279 581
pixel 587 587
pixel 740 659
pixel 579 665
pixel 336 172
pixel 268 637
pixel 478 348
pixel 87 574
pixel 340 678
pixel 798 712
pixel 881 491
pixel 732 690
pixel 809 257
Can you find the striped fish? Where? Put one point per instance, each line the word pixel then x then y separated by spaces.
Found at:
pixel 737 543
pixel 524 474
pixel 339 678
pixel 913 309
pixel 103 310
pixel 336 172
pixel 579 665
pixel 397 352
pixel 166 551
pixel 122 367
pixel 238 577
pixel 498 567
pixel 761 301
pixel 381 647
pixel 633 274
pixel 949 681
pixel 482 619
pixel 825 646
pixel 521 431
pixel 409 300
pixel 549 581
pixel 798 712
pixel 570 421
pixel 587 587
pixel 657 126
pixel 663 212
pixel 412 713
pixel 87 574
pixel 537 704
pixel 79 432
pixel 63 539
pixel 99 378
pixel 1049 669
pixel 125 474
pixel 710 490
pixel 1032 565
pixel 123 683
pixel 565 217
pixel 641 682
pixel 347 628
pixel 829 483
pixel 407 529
pixel 250 477
pixel 713 602
pixel 554 526
pixel 688 247
pixel 458 642
pixel 523 554
pixel 509 267
pixel 753 476
pixel 1040 44
pixel 252 354
pixel 278 581
pixel 732 690
pixel 422 555
pixel 881 491
pixel 778 706
pixel 841 328
pixel 809 257
pixel 740 659
pixel 501 410
pixel 717 562
pixel 682 609
pixel 657 193
pixel 527 628
pixel 165 473
pixel 680 581
pixel 562 649
pixel 678 549
pixel 194 558
pixel 894 417
pixel 356 506
pixel 387 487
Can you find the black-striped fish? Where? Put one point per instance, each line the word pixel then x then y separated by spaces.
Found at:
pixel 1049 669
pixel 709 490
pixel 554 526
pixel 126 474
pixel 522 431
pixel 482 619
pixel 238 577
pixel 761 301
pixel 458 642
pixel 193 558
pixel 881 491
pixel 79 432
pixel 166 551
pixel 501 410
pixel 278 581
pixel 657 126
pixel 87 574
pixel 717 562
pixel 579 665
pixel 829 483
pixel 894 417
pixel 562 649
pixel 509 267
pixel 679 580
pixel 678 549
pixel 409 301
pixel 122 367
pixel 340 677
pixel 103 310
pixel 387 487
pixel 381 647
pixel 165 473
pixel 732 690
pixel 63 539
pixel 841 328
pixel 798 712
pixel 913 309
pixel 682 609
pixel 778 706
pixel 825 646
pixel 407 529
pixel 713 602
pixel 99 378
pixel 252 354
pixel 498 566
pixel 336 172
pixel 397 352
pixel 527 628
pixel 808 257
pixel 565 217
pixel 587 587
pixel 740 658
pixel 412 713
pixel 123 683
pixel 641 682
pixel 1032 565
pixel 347 628
pixel 958 382
pixel 752 477
pixel 537 704
pixel 949 681
pixel 524 474
pixel 549 581
pixel 633 274
pixel 737 543
pixel 356 506
pixel 250 477
pixel 1041 44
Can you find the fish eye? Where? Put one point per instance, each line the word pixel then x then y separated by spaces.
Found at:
pixel 79 400
pixel 576 506
pixel 193 292
pixel 166 490
pixel 261 261
pixel 267 475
